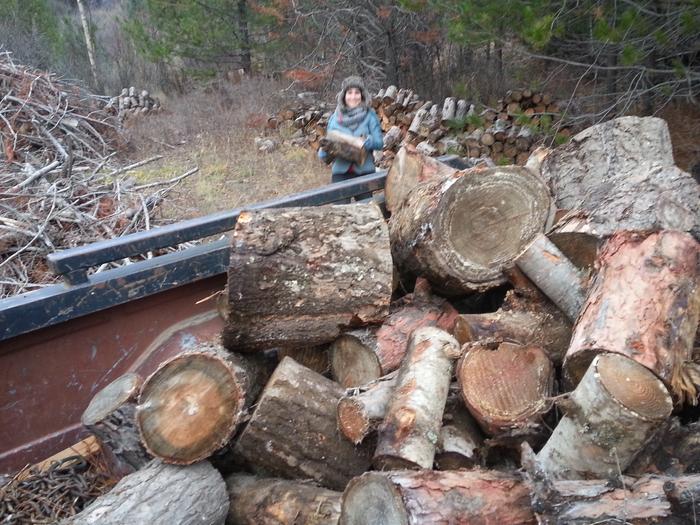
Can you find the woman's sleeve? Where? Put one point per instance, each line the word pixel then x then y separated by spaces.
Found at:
pixel 375 141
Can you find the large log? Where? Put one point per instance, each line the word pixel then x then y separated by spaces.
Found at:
pixel 271 501
pixel 506 387
pixel 362 409
pixel 161 494
pixel 299 276
pixel 409 169
pixel 613 412
pixel 344 146
pixel 111 417
pixel 644 303
pixel 408 434
pixel 621 173
pixel 461 497
pixel 293 432
pixel 461 232
pixel 192 404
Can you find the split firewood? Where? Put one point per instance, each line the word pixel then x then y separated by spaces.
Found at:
pixel 421 115
pixel 111 417
pixel 460 441
pixel 362 409
pixel 344 146
pixel 392 137
pixel 644 303
pixel 271 501
pixel 408 434
pixel 622 175
pixel 477 223
pixel 161 494
pixel 426 496
pixel 506 387
pixel 192 404
pixel 614 411
pixel 554 274
pixel 293 432
pixel 299 276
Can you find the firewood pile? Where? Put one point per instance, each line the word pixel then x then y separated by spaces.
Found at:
pixel 59 183
pixel 133 102
pixel 506 134
pixel 544 367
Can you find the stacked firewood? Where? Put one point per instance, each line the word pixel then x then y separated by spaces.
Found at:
pixel 540 370
pixel 505 134
pixel 132 102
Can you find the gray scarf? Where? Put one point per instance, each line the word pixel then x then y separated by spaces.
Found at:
pixel 351 118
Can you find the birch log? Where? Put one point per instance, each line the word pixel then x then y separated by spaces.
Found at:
pixel 362 409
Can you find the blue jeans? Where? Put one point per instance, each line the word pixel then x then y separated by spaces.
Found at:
pixel 340 177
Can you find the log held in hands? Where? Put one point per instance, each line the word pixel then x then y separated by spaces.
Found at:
pixel 344 146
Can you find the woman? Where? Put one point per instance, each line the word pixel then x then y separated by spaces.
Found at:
pixel 353 116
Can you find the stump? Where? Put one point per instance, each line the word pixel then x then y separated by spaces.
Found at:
pixel 616 408
pixel 270 501
pixel 191 405
pixel 111 417
pixel 408 434
pixel 506 386
pixel 293 432
pixel 462 232
pixel 161 494
pixel 362 409
pixel 300 276
pixel 644 303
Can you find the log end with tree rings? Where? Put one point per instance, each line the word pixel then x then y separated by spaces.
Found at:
pixel 352 362
pixel 353 420
pixel 373 498
pixel 189 408
pixel 505 386
pixel 111 397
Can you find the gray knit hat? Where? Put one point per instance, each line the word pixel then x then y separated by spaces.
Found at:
pixel 356 82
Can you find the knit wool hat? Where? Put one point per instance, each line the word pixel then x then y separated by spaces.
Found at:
pixel 356 82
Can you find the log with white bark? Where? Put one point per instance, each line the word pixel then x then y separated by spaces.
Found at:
pixel 614 411
pixel 448 110
pixel 293 432
pixel 192 404
pixel 460 440
pixel 161 494
pixel 621 173
pixel 272 501
pixel 506 387
pixel 577 239
pixel 111 417
pixel 460 233
pixel 362 409
pixel 344 146
pixel 392 137
pixel 421 115
pixel 409 432
pixel 300 276
pixel 644 303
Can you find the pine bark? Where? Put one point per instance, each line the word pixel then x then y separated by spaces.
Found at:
pixel 300 276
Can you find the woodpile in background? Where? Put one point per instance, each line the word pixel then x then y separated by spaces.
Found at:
pixel 506 133
pixel 132 102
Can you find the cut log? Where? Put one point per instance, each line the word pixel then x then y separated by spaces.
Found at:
pixel 293 432
pixel 161 494
pixel 613 412
pixel 462 497
pixel 487 138
pixel 270 501
pixel 392 137
pixel 554 274
pixel 461 110
pixel 316 358
pixel 460 439
pixel 537 326
pixel 408 434
pixel 362 409
pixel 506 387
pixel 644 303
pixel 408 170
pixel 299 276
pixel 577 239
pixel 111 417
pixel 621 174
pixel 344 146
pixel 462 232
pixel 448 110
pixel 192 404
pixel 389 95
pixel 353 358
pixel 421 115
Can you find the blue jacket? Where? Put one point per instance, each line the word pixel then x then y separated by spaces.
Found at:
pixel 369 128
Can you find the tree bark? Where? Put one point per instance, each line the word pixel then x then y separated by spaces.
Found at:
pixel 460 233
pixel 674 452
pixel 299 276
pixel 191 405
pixel 161 494
pixel 613 412
pixel 460 441
pixel 505 386
pixel 270 501
pixel 621 173
pixel 644 303
pixel 111 417
pixel 293 432
pixel 89 45
pixel 461 497
pixel 361 410
pixel 344 146
pixel 413 419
